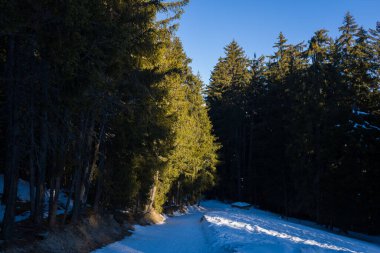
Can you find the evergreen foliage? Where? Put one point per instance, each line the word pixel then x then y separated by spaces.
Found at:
pixel 300 129
pixel 98 100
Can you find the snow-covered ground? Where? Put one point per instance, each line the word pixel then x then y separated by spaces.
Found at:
pixel 23 195
pixel 179 234
pixel 258 231
pixel 217 228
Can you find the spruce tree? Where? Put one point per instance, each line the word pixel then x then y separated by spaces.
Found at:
pixel 227 101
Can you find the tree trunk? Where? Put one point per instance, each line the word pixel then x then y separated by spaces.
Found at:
pixel 98 194
pixel 319 172
pixel 53 203
pixel 78 174
pixel 100 156
pixel 11 170
pixel 42 160
pixel 77 186
pixel 252 170
pixel 32 150
pixel 237 163
pixel 243 164
pixel 152 196
pixel 178 191
pixel 285 191
pixel 68 202
pixel 86 180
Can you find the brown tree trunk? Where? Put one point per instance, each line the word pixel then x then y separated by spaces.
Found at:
pixel 178 193
pixel 86 180
pixel 152 195
pixel 100 156
pixel 98 194
pixel 79 176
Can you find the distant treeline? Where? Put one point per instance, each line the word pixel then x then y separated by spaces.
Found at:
pixel 97 99
pixel 300 129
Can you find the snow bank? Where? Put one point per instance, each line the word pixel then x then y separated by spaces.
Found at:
pixel 23 195
pixel 22 191
pixel 242 205
pixel 213 204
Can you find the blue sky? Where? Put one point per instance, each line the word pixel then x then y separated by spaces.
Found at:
pixel 209 25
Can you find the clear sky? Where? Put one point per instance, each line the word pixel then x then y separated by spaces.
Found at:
pixel 209 25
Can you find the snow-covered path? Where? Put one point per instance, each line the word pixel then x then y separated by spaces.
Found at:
pixel 226 229
pixel 179 234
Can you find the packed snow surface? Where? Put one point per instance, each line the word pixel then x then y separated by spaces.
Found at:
pixel 216 227
pixel 179 234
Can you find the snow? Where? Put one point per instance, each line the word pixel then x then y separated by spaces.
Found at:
pixel 258 231
pixel 23 195
pixel 372 126
pixel 179 234
pixel 22 192
pixel 367 126
pixel 358 112
pixel 217 227
pixel 240 204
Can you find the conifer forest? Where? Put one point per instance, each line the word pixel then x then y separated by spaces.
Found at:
pixel 300 130
pixel 98 102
